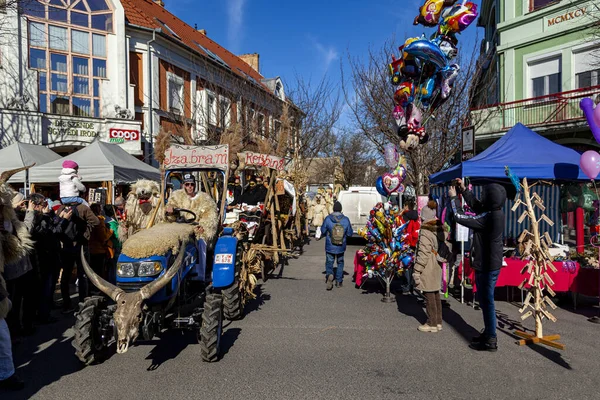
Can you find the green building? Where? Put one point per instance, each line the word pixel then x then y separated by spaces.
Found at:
pixel 539 58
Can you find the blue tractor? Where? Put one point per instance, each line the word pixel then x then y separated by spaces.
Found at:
pixel 185 283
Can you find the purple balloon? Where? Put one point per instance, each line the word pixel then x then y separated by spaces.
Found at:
pixel 590 163
pixel 391 155
pixel 587 105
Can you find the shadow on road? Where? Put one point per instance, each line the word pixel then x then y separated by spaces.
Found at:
pixel 171 343
pixel 409 306
pixel 228 339
pixel 256 303
pixel 40 352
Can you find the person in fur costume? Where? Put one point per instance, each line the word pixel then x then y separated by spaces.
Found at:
pixel 15 243
pixel 200 203
pixel 142 200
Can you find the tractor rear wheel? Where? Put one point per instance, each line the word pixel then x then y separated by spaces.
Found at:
pixel 233 296
pixel 212 328
pixel 87 341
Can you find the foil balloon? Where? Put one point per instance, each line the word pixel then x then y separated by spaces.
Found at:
pixel 391 182
pixel 449 75
pixel 590 164
pixel 391 155
pixel 456 19
pixel 379 186
pixel 404 94
pixel 425 91
pixel 430 12
pixel 592 115
pixel 428 51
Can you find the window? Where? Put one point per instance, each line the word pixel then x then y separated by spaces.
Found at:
pixel 212 55
pixel 587 70
pixel 67 45
pixel 537 4
pixel 80 42
pixel 261 124
pixel 168 28
pixel 211 111
pixel 175 93
pixel 545 77
pixel 224 113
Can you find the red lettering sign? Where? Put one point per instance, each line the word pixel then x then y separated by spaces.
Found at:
pixel 262 160
pixel 124 134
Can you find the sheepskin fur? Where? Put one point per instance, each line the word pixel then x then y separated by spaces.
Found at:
pixel 138 215
pixel 13 246
pixel 206 211
pixel 157 241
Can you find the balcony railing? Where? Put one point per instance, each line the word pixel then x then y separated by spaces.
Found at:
pixel 557 108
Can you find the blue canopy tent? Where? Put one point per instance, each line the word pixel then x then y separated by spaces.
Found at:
pixel 528 155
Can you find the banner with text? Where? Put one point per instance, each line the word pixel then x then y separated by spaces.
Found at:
pixel 262 160
pixel 180 156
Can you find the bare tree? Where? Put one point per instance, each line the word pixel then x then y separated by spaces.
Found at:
pixel 369 95
pixel 357 158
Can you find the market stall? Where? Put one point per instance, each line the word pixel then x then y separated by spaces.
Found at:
pixel 100 165
pixel 19 155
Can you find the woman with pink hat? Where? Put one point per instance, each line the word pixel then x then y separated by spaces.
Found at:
pixel 70 184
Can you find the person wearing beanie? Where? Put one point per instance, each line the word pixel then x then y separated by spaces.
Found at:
pixel 70 184
pixel 336 229
pixel 427 272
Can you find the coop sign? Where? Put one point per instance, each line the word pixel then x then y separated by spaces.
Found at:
pixel 180 156
pixel 61 127
pixel 568 16
pixel 117 135
pixel 262 160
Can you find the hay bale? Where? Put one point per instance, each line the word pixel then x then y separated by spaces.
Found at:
pixel 157 241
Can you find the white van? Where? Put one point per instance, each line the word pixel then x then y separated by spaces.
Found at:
pixel 357 202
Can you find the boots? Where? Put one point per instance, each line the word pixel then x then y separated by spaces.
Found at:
pixel 483 343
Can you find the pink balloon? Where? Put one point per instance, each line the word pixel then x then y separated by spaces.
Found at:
pixel 590 163
pixel 391 155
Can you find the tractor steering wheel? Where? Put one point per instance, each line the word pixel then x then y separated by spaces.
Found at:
pixel 180 219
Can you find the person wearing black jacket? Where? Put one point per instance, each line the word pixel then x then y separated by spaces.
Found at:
pixel 486 250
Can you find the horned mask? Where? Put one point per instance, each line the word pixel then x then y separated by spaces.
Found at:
pixel 128 314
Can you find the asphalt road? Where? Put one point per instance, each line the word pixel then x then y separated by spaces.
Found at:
pixel 299 341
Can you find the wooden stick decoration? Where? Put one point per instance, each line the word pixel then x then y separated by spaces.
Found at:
pixel 534 245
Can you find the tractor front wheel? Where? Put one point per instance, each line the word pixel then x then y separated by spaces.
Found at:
pixel 212 328
pixel 88 344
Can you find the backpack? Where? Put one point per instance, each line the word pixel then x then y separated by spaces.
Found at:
pixel 337 232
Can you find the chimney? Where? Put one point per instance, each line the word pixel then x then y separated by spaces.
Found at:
pixel 202 31
pixel 251 60
pixel 160 2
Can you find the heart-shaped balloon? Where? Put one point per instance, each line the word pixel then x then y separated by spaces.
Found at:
pixel 391 182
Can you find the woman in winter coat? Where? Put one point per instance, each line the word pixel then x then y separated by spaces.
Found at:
pixel 318 212
pixel 427 274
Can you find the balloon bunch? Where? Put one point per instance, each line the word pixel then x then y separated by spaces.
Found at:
pixel 592 115
pixel 391 182
pixel 387 250
pixel 424 74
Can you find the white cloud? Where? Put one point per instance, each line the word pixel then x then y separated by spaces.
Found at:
pixel 235 20
pixel 328 53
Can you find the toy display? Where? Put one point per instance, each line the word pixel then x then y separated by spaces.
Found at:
pixel 388 251
pixel 424 74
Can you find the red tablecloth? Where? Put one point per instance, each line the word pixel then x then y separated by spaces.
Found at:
pixel 359 267
pixel 579 280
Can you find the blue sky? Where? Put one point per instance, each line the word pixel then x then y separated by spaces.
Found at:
pixel 310 37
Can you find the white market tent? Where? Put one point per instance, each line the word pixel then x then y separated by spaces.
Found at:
pixel 19 155
pixel 98 162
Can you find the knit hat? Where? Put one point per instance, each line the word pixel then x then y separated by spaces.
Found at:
pixel 427 214
pixel 70 164
pixel 337 207
pixel 17 198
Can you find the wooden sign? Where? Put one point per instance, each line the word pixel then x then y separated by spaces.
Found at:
pixel 182 157
pixel 262 160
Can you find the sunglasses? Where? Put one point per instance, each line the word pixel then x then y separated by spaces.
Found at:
pixel 189 184
pixel 252 184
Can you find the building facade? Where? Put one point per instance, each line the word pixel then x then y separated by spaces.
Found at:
pixel 74 71
pixel 539 59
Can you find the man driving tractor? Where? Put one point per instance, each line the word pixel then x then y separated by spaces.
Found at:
pixel 200 203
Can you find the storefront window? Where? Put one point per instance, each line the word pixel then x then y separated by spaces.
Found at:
pixel 63 38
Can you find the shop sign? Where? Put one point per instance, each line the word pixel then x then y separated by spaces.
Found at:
pixel 468 143
pixel 119 135
pixel 568 16
pixel 98 195
pixel 66 127
pixel 262 160
pixel 180 156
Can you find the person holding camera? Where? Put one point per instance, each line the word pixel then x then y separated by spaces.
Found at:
pixel 486 250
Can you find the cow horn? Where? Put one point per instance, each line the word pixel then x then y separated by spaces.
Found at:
pixel 150 289
pixel 5 176
pixel 111 290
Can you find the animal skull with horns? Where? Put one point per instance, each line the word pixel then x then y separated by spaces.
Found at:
pixel 128 314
